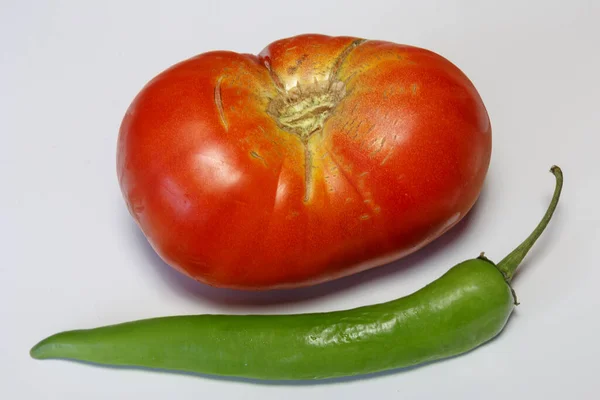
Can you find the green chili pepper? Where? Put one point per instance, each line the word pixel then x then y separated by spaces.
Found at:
pixel 466 307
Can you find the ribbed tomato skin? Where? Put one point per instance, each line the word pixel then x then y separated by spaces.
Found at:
pixel 228 196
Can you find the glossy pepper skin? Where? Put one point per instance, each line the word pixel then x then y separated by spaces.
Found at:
pixel 318 158
pixel 464 308
pixel 467 306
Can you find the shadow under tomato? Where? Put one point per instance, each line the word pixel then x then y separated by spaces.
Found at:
pixel 197 290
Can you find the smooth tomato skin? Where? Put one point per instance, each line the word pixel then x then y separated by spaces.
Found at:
pixel 222 192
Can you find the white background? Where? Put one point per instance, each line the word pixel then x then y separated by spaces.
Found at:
pixel 72 257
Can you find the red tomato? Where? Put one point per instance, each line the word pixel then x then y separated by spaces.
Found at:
pixel 318 158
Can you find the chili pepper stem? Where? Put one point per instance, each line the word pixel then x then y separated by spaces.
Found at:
pixel 508 266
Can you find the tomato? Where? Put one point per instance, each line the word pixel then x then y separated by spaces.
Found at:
pixel 315 159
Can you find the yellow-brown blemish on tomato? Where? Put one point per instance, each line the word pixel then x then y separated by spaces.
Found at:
pixel 330 186
pixel 370 129
pixel 276 81
pixel 378 144
pixel 292 215
pixel 308 177
pixel 414 88
pixel 292 69
pixel 254 154
pixel 387 157
pixel 219 103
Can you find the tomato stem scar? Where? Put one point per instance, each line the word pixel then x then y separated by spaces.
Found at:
pixel 303 109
